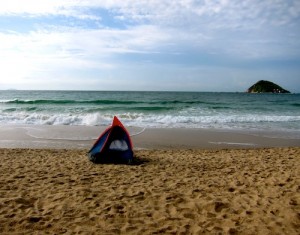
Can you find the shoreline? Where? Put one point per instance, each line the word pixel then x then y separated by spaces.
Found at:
pixel 83 137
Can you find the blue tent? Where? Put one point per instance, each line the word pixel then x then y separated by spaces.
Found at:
pixel 114 145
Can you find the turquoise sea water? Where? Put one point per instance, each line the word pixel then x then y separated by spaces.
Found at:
pixel 238 111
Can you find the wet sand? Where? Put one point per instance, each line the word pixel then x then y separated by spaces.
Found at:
pixel 83 137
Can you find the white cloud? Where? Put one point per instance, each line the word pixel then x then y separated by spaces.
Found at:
pixel 36 8
pixel 49 54
pixel 221 12
pixel 228 29
pixel 31 7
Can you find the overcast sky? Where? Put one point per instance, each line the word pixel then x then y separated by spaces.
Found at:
pixel 188 45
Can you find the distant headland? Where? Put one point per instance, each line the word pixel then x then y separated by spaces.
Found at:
pixel 266 87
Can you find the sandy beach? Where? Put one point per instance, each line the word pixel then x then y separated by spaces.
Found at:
pixel 179 191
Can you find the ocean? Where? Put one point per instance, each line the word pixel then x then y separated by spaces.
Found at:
pixel 228 111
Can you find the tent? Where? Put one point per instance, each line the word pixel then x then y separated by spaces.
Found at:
pixel 114 145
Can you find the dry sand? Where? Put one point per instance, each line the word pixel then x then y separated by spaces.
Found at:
pixel 233 191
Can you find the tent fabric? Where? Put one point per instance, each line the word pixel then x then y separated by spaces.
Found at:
pixel 113 145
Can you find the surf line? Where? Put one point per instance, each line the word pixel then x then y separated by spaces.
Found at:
pixel 135 134
pixel 232 143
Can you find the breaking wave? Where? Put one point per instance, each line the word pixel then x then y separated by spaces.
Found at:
pixel 146 120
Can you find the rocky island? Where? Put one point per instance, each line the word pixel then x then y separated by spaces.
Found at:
pixel 266 87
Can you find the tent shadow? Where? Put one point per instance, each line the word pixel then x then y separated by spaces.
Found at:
pixel 139 161
pixel 136 161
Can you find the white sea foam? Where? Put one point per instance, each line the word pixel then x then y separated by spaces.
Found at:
pixel 145 120
pixel 233 143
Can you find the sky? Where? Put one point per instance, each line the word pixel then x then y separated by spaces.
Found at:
pixel 180 45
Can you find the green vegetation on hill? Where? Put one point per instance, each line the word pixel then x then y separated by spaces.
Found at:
pixel 266 87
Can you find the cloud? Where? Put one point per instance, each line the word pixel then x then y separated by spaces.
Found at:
pixel 151 25
pixel 234 11
pixel 73 38
pixel 67 52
